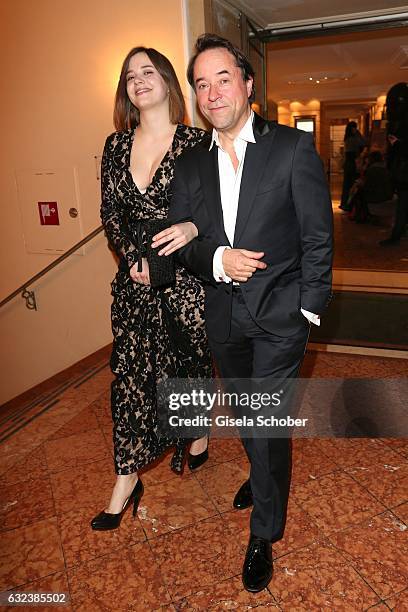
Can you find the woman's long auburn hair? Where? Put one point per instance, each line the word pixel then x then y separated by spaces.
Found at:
pixel 125 114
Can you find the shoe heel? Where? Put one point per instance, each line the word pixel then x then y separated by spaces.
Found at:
pixel 195 461
pixel 137 497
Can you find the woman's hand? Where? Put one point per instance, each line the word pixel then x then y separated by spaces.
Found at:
pixel 143 277
pixel 175 236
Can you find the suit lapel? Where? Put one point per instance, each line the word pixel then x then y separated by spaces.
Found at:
pixel 256 158
pixel 210 182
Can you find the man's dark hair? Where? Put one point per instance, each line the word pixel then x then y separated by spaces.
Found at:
pixel 212 41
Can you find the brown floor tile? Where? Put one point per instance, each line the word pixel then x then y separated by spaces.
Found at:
pixel 402 512
pixel 82 422
pixel 336 501
pixel 398 602
pixel 81 543
pixel 29 553
pixel 223 449
pixel 24 503
pixel 222 481
pixel 300 530
pixel 358 452
pixel 55 583
pixel 106 424
pixel 43 427
pixel 198 556
pixel 108 435
pixel 88 486
pixel 101 408
pixel 318 578
pixel 72 451
pixel 159 471
pixel 388 482
pixel 128 579
pixel 378 550
pixel 173 504
pixel 400 445
pixel 32 467
pixel 238 523
pixel 9 459
pixel 309 462
pixel 337 365
pixel 227 595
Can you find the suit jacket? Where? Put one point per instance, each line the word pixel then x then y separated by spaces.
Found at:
pixel 284 210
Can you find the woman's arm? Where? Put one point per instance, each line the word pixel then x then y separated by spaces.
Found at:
pixel 112 212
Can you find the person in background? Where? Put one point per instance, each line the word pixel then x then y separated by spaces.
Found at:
pixel 397 128
pixel 158 331
pixel 372 187
pixel 354 143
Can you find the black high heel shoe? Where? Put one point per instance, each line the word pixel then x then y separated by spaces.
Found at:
pixel 195 461
pixel 105 521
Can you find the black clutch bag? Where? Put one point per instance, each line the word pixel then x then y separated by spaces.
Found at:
pixel 161 269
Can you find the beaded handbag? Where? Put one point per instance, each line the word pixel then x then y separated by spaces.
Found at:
pixel 161 268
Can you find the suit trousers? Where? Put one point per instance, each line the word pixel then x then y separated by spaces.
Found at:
pixel 401 213
pixel 251 352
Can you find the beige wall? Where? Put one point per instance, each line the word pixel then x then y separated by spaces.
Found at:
pixel 59 65
pixel 289 110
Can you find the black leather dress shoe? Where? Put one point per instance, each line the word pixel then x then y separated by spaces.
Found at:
pixel 243 499
pixel 195 461
pixel 258 565
pixel 105 521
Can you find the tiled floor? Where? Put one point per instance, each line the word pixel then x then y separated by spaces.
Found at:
pixel 345 546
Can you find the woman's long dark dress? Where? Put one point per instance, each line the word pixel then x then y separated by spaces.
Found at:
pixel 158 332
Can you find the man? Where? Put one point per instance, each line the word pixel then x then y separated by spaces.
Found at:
pixel 259 198
pixel 397 129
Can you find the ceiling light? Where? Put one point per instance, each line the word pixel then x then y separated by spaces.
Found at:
pixel 319 77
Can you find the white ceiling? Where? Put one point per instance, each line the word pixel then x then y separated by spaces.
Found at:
pixel 269 13
pixel 373 58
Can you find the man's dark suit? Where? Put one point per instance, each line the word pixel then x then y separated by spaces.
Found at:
pixel 284 211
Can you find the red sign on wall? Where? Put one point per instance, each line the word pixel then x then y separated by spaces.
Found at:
pixel 48 213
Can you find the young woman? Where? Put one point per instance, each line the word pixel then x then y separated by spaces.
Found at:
pixel 354 143
pixel 158 331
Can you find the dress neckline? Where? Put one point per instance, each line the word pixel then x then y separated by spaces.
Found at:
pixel 166 155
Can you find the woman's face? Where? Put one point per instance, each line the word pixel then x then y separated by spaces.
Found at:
pixel 144 85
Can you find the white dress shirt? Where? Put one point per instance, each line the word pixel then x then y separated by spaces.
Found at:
pixel 230 184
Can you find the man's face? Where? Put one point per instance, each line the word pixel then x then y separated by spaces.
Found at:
pixel 222 93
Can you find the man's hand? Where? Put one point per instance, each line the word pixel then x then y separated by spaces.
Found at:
pixel 143 277
pixel 176 236
pixel 240 264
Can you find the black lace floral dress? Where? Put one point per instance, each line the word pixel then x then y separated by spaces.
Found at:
pixel 158 332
